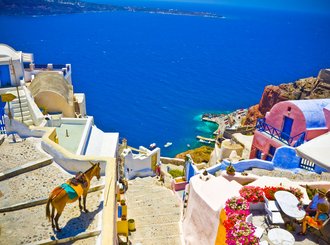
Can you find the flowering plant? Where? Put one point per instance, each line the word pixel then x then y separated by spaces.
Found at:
pixel 297 192
pixel 238 231
pixel 252 193
pixel 237 205
pixel 270 191
pixel 241 233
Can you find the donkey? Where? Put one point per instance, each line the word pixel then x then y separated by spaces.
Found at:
pixel 70 192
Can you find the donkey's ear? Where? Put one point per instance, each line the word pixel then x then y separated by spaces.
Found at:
pixel 91 163
pixel 98 164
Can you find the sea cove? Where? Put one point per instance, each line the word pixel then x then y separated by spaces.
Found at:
pixel 149 76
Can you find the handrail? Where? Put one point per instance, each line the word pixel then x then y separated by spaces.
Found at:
pixel 45 66
pixel 2 121
pixel 278 134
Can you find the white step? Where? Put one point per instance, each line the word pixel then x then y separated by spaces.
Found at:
pixel 28 122
pixel 19 118
pixel 24 109
pixel 21 95
pixel 18 112
pixel 16 105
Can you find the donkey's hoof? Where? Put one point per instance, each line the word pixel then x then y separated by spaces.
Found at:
pixel 59 230
pixel 86 211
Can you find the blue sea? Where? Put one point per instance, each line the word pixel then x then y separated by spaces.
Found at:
pixel 151 76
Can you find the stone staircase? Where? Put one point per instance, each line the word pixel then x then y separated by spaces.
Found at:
pixel 15 105
pixel 156 211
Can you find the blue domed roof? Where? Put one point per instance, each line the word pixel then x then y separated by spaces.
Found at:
pixel 313 111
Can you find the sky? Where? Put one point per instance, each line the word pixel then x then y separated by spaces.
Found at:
pixel 307 5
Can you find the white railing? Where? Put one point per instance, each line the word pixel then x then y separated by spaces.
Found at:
pixel 35 112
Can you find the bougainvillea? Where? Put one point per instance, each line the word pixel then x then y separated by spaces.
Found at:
pixel 252 193
pixel 270 191
pixel 238 231
pixel 241 233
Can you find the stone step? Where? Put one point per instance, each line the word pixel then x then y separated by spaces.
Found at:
pixel 22 97
pixel 149 191
pixel 25 111
pixel 136 212
pixel 16 105
pixel 28 122
pixel 145 188
pixel 160 230
pixel 18 117
pixel 24 108
pixel 150 195
pixel 168 240
pixel 157 218
pixel 147 200
pixel 143 180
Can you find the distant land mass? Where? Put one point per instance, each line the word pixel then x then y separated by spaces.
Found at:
pixel 52 7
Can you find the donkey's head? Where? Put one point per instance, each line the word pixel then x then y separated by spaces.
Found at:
pixel 96 170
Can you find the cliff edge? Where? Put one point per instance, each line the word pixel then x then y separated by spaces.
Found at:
pixel 303 89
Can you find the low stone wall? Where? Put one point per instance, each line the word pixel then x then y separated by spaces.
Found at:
pixel 174 161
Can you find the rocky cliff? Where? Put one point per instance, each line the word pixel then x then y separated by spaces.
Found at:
pixel 199 155
pixel 306 88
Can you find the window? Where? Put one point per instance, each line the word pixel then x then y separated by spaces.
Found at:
pixel 271 152
pixel 306 164
pixel 258 154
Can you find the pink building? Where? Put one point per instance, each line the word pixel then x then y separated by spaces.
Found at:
pixel 290 123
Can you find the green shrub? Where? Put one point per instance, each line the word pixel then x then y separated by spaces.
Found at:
pixel 175 173
pixel 310 192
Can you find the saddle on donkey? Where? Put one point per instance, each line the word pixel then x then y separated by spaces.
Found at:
pixel 79 179
pixel 74 187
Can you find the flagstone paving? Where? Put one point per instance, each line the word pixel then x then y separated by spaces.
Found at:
pixel 156 211
pixel 29 225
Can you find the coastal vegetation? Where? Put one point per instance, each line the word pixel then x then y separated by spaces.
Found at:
pixel 199 155
pixel 176 173
pixel 51 7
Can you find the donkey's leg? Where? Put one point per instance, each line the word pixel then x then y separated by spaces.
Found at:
pixel 84 199
pixel 52 217
pixel 80 207
pixel 56 220
pixel 59 208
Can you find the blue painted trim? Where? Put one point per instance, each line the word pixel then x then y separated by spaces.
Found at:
pixel 262 126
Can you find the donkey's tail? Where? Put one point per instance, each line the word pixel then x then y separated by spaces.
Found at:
pixel 48 209
pixel 52 196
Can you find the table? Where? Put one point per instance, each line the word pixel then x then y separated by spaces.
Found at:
pixel 289 204
pixel 278 236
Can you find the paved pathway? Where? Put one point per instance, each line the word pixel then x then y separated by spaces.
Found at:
pixel 156 211
pixel 16 154
pixel 31 222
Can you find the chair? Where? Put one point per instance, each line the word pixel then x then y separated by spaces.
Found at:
pixel 324 230
pixel 272 205
pixel 274 217
pixel 259 231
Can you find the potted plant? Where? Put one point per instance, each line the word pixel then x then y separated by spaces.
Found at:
pixel 253 195
pixel 230 169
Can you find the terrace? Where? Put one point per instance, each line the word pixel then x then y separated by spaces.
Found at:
pixel 294 141
pixel 34 69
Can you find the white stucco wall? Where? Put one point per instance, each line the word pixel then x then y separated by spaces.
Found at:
pixel 139 165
